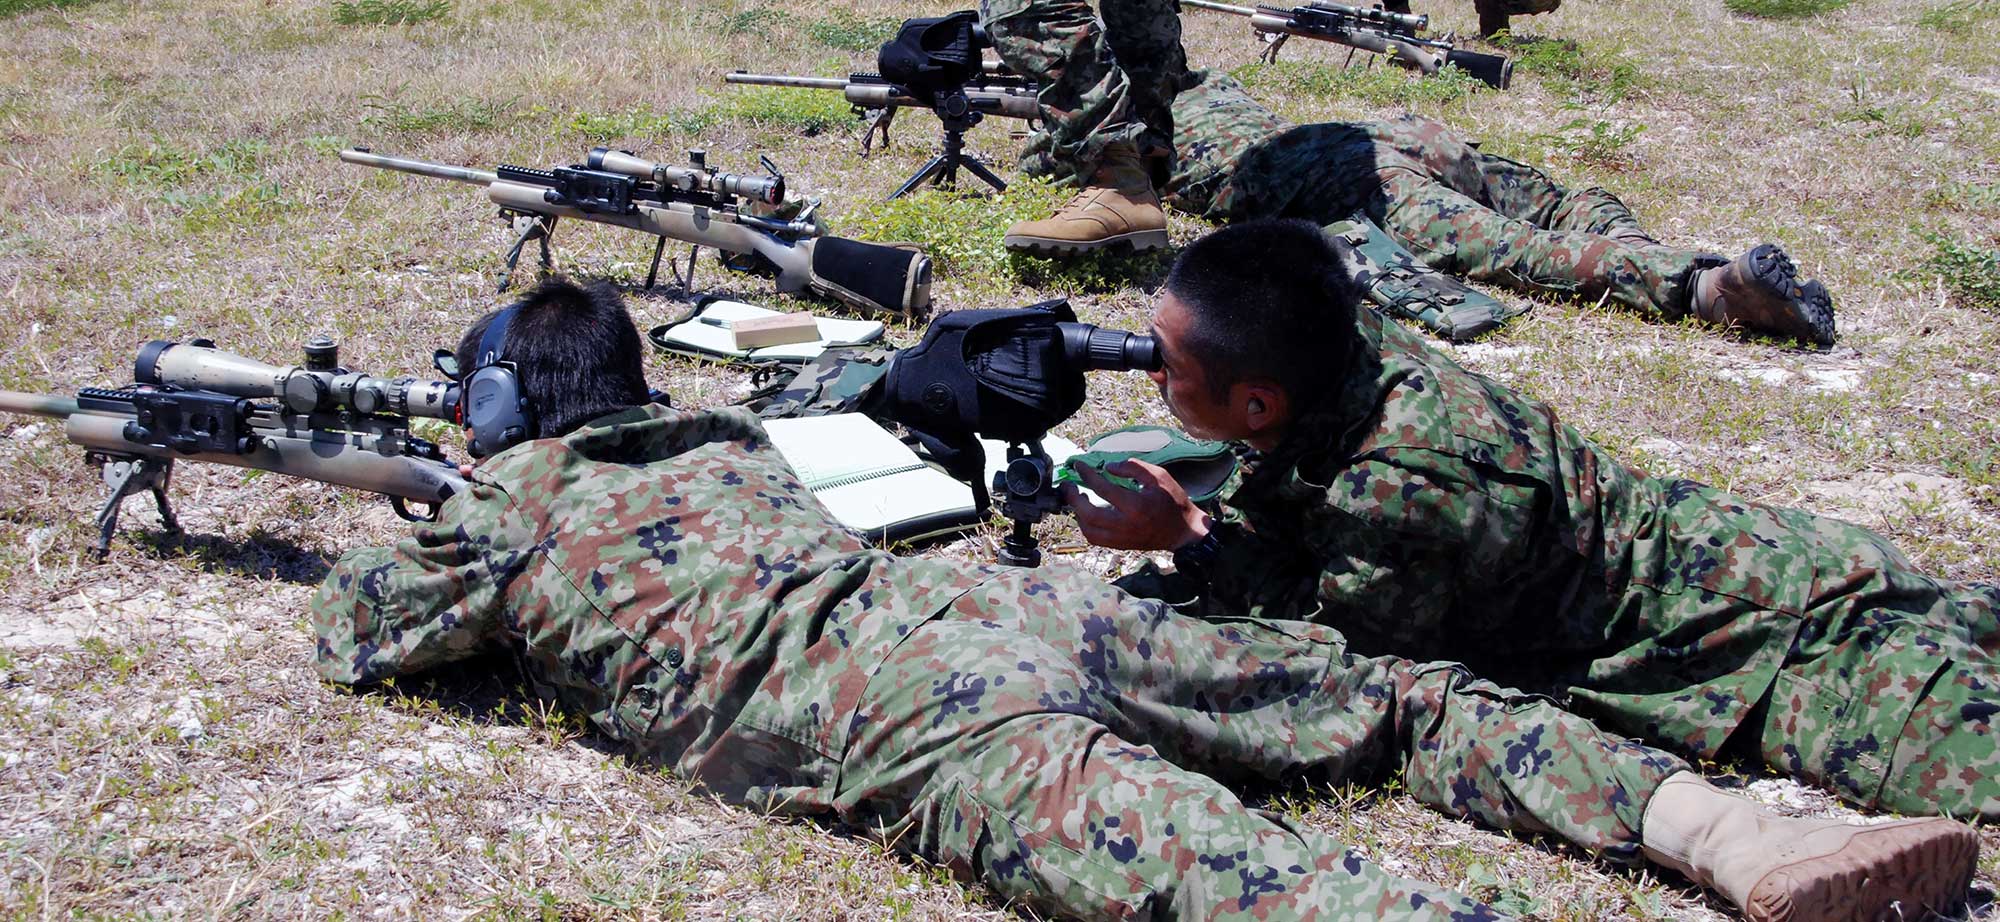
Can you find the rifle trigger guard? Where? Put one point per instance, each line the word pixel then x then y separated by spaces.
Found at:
pixel 403 511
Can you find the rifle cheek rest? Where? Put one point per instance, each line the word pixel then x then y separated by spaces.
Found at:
pixel 872 276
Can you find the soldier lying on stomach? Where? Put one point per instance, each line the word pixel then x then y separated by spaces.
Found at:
pixel 664 573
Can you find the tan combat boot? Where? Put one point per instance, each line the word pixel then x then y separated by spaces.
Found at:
pixel 1801 869
pixel 1761 291
pixel 1118 206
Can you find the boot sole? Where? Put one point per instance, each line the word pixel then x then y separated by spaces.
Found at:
pixel 1810 310
pixel 1139 241
pixel 1916 865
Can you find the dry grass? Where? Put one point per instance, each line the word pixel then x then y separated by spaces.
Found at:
pixel 169 172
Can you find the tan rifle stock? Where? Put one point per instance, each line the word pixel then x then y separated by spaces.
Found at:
pixel 783 248
pixel 364 451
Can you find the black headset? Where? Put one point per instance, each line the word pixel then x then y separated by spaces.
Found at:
pixel 494 412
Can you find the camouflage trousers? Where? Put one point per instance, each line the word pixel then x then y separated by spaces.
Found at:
pixel 1079 750
pixel 1104 85
pixel 1458 209
pixel 1889 692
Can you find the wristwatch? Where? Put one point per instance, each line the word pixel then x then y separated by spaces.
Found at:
pixel 1195 557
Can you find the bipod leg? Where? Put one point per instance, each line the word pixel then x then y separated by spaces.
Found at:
pixel 538 228
pixel 659 249
pixel 1019 548
pixel 976 168
pixel 126 476
pixel 916 179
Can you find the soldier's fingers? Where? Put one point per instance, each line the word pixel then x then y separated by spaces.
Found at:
pixel 1118 496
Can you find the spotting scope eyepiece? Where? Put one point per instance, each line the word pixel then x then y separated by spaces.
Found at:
pixel 697 178
pixel 1094 348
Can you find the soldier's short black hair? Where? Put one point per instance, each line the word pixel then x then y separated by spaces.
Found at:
pixel 1269 300
pixel 576 350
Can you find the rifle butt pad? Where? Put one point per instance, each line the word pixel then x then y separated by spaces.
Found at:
pixel 872 276
pixel 1496 71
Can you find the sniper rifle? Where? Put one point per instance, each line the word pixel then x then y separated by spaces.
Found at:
pixel 1396 34
pixel 697 205
pixel 318 421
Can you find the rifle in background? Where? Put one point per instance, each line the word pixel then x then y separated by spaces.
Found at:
pixel 736 215
pixel 318 421
pixel 958 108
pixel 1396 34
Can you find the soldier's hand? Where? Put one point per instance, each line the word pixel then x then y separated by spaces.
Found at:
pixel 1158 516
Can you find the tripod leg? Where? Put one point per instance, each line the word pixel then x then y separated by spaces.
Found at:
pixel 979 169
pixel 916 179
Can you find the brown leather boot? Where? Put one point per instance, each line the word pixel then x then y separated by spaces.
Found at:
pixel 1492 17
pixel 1802 869
pixel 1118 206
pixel 1761 291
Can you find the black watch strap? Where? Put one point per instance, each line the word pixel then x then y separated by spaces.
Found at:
pixel 1197 556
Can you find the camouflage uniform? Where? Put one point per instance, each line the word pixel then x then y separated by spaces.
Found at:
pixel 665 574
pixel 1426 511
pixel 1461 211
pixel 1103 84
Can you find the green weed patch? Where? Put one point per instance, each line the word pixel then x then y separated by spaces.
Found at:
pixel 17 7
pixel 1961 17
pixel 962 235
pixel 389 12
pixel 1971 273
pixel 457 117
pixel 849 31
pixel 1784 9
pixel 1380 85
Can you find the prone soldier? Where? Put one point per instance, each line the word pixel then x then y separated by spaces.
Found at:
pixel 1126 118
pixel 1426 511
pixel 665 573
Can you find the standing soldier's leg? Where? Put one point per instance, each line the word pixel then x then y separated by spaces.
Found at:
pixel 1094 113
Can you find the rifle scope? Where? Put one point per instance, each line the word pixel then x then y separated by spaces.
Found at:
pixel 1094 348
pixel 316 386
pixel 1409 23
pixel 697 178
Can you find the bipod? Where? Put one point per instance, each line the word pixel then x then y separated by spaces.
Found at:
pixel 957 115
pixel 126 475
pixel 536 227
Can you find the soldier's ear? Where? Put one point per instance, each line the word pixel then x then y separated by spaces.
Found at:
pixel 1264 409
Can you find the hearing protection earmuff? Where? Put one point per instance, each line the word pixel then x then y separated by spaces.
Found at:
pixel 494 412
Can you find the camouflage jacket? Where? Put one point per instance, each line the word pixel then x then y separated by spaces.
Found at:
pixel 658 573
pixel 1429 512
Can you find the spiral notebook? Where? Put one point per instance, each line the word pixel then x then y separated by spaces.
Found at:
pixel 874 484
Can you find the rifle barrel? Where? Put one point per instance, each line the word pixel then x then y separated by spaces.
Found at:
pixel 1220 7
pixel 37 404
pixel 419 167
pixel 809 83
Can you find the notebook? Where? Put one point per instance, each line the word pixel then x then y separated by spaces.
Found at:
pixel 705 334
pixel 874 484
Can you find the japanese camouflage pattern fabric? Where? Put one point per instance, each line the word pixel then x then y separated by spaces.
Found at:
pixel 838 380
pixel 1108 77
pixel 1458 209
pixel 1074 748
pixel 1428 512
